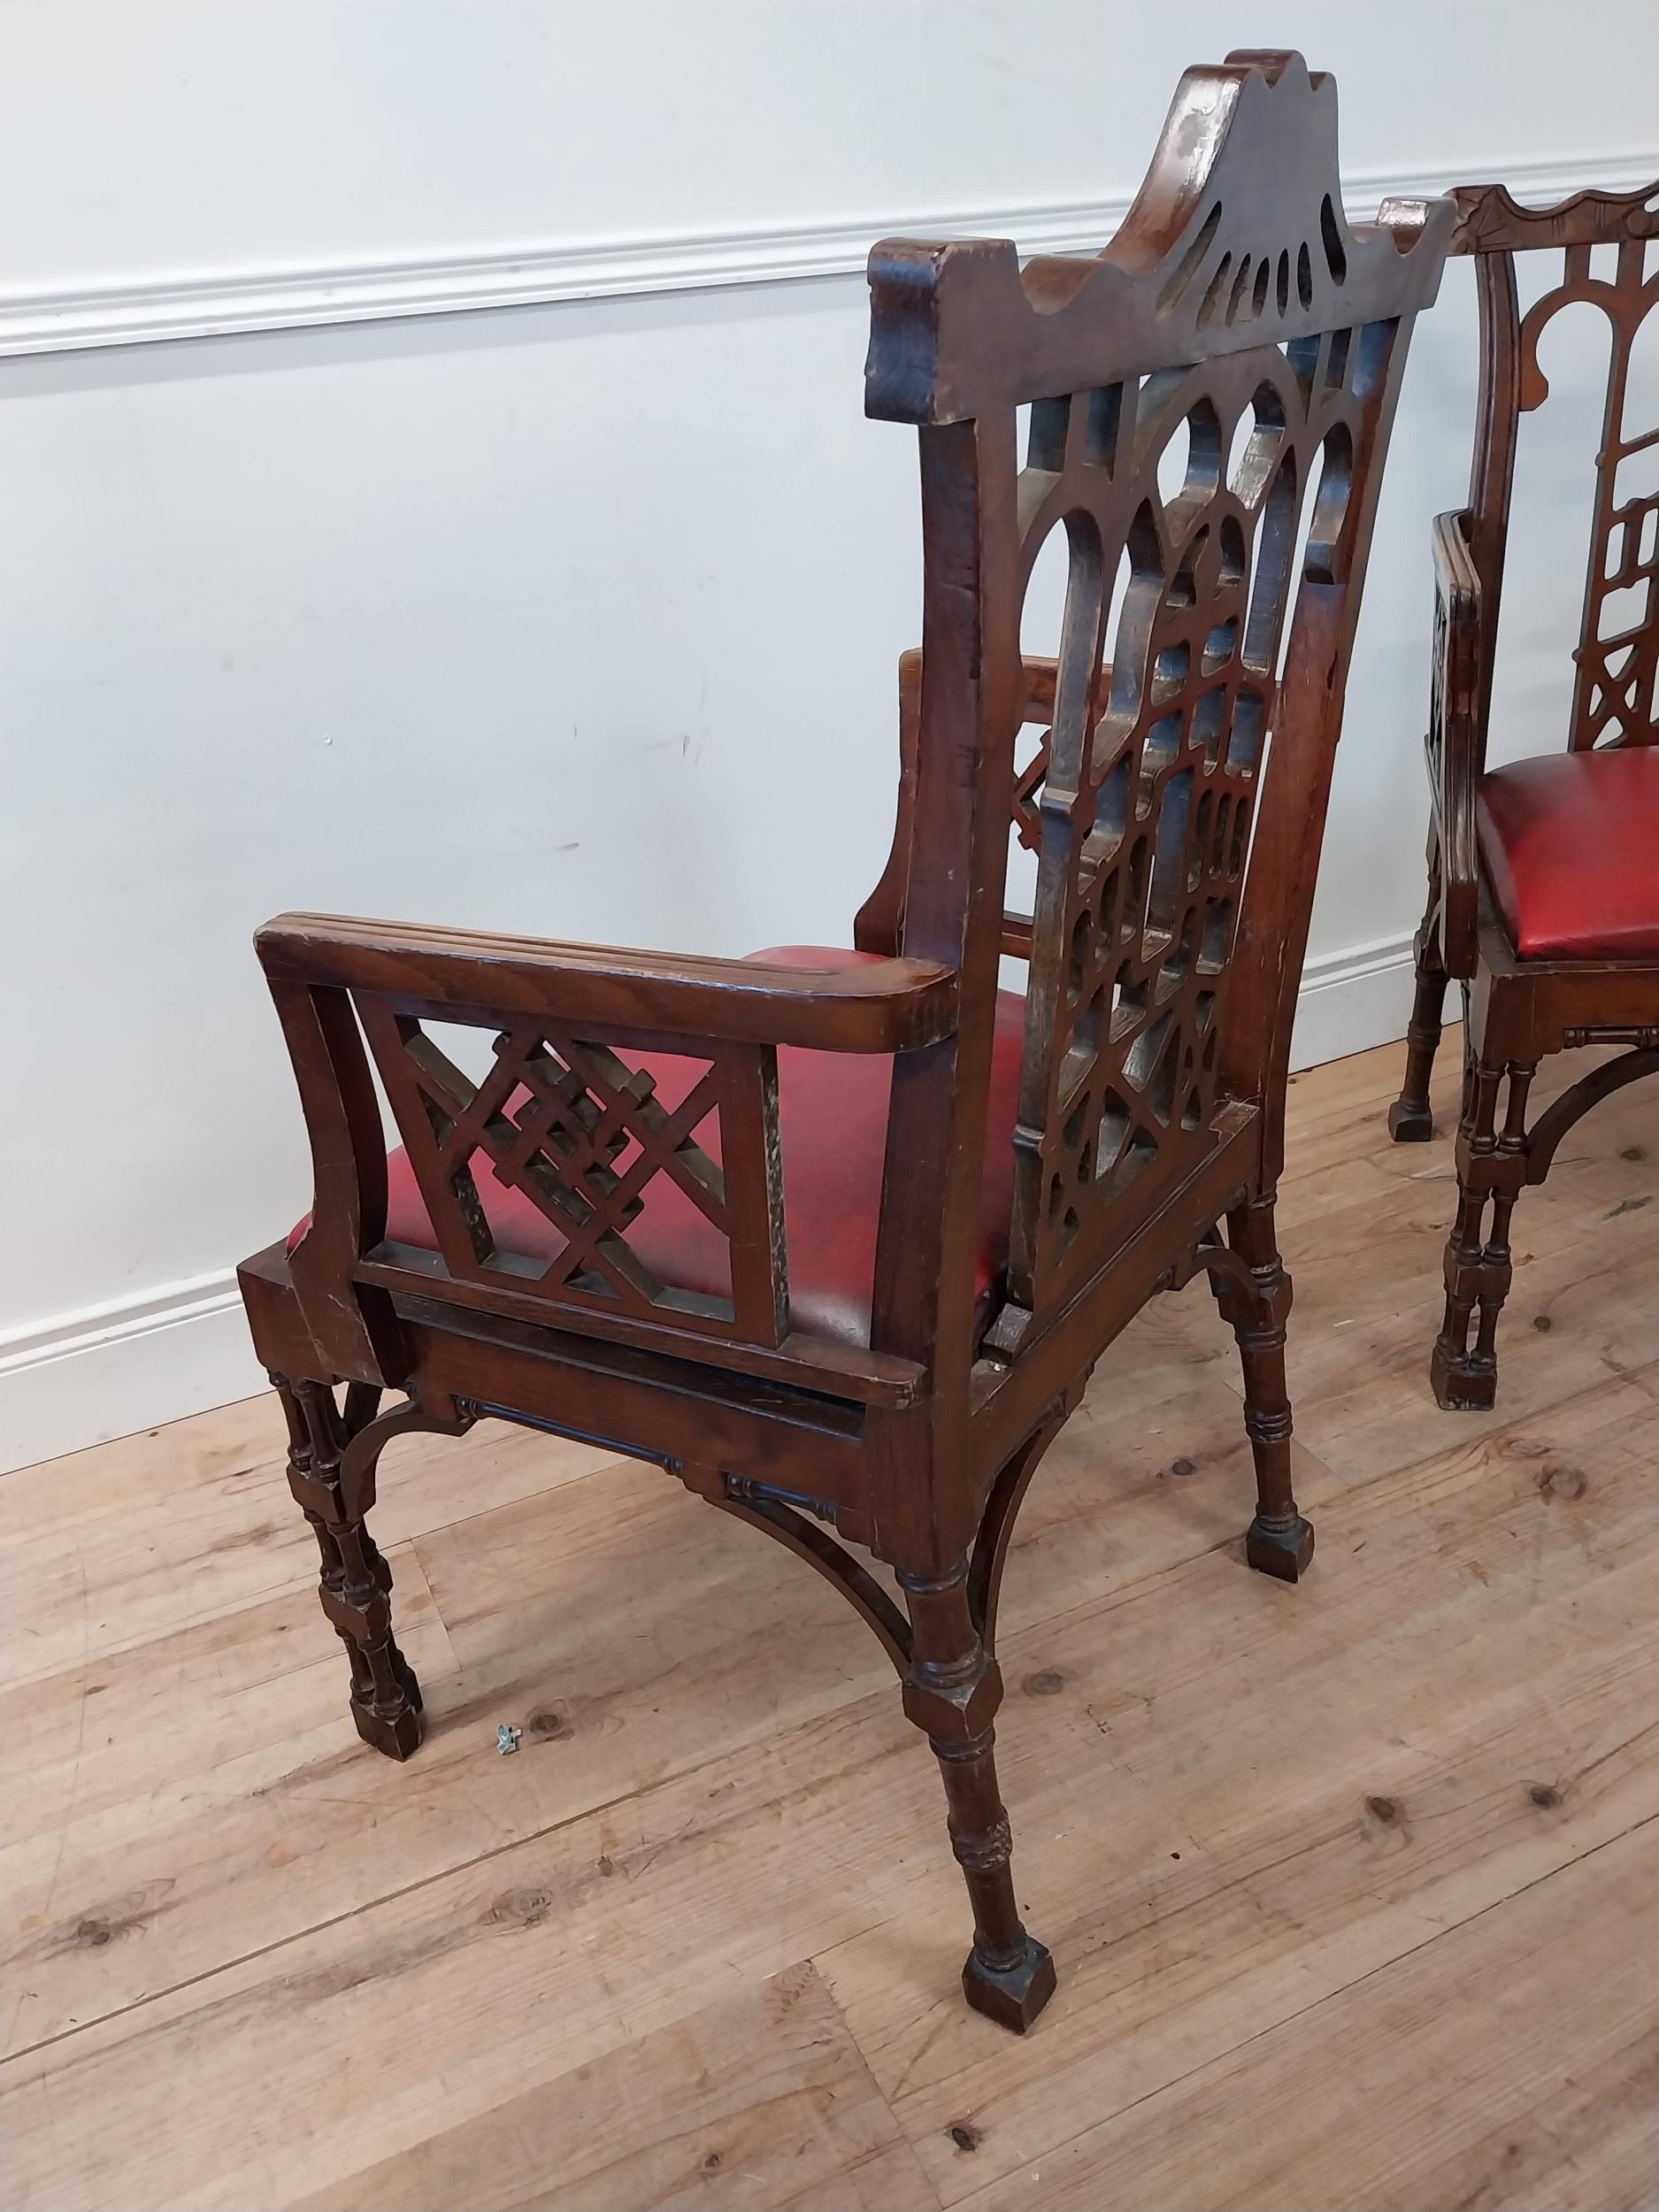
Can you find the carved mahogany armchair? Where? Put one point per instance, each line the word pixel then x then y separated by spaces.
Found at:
pixel 837 1236
pixel 1543 876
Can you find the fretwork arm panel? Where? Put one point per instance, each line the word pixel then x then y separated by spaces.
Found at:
pixel 577 1123
pixel 617 1158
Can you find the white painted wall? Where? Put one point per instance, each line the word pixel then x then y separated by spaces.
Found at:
pixel 555 617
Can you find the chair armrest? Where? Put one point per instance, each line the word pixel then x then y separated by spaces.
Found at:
pixel 893 1007
pixel 1456 742
pixel 1039 673
pixel 568 1116
pixel 880 923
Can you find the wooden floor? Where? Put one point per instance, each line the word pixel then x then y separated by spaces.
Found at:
pixel 1351 1887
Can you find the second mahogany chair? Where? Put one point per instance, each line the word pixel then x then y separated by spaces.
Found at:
pixel 1543 875
pixel 836 1237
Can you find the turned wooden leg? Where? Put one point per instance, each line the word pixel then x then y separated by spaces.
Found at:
pixel 355 1582
pixel 1409 1119
pixel 951 1692
pixel 1491 1170
pixel 1279 1541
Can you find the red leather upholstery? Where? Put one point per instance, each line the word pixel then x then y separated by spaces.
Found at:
pixel 1571 847
pixel 833 1118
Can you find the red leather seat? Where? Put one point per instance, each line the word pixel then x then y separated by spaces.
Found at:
pixel 832 1120
pixel 1570 845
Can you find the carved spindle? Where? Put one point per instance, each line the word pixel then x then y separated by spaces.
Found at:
pixel 1492 1171
pixel 952 1692
pixel 1279 1541
pixel 355 1582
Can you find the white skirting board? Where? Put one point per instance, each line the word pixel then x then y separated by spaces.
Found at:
pixel 80 1379
pixel 1350 1000
pixel 106 1371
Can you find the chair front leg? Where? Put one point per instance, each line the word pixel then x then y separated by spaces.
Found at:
pixel 1279 1541
pixel 1491 1168
pixel 951 1692
pixel 356 1583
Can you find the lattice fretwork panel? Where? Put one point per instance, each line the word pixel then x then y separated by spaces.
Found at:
pixel 597 1171
pixel 1617 653
pixel 1197 488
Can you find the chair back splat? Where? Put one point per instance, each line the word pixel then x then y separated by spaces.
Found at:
pixel 1618 651
pixel 1206 408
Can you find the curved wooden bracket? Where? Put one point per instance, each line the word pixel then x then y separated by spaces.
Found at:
pixel 1002 1510
pixel 438 1416
pixel 1210 1255
pixel 1553 1125
pixel 746 1502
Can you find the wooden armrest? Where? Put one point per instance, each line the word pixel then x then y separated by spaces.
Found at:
pixel 1038 673
pixel 892 1007
pixel 880 920
pixel 1456 742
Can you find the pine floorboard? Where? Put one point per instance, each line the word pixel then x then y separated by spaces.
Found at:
pixel 1351 1888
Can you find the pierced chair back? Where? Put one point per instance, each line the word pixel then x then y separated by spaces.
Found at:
pixel 1609 257
pixel 1618 652
pixel 1205 411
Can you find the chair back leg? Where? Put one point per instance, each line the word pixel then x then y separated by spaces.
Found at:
pixel 1409 1118
pixel 1256 1301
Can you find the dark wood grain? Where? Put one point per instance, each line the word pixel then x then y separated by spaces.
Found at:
pixel 891 1009
pixel 1517 1011
pixel 1168 765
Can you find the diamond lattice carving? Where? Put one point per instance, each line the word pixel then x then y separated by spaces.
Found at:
pixel 582 1132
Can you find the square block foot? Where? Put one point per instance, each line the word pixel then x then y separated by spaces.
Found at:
pixel 1462 1386
pixel 398 1735
pixel 1282 1549
pixel 1013 1996
pixel 405 1675
pixel 1408 1123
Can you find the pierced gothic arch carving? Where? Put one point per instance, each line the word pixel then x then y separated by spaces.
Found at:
pixel 1152 761
pixel 1616 658
pixel 1252 337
